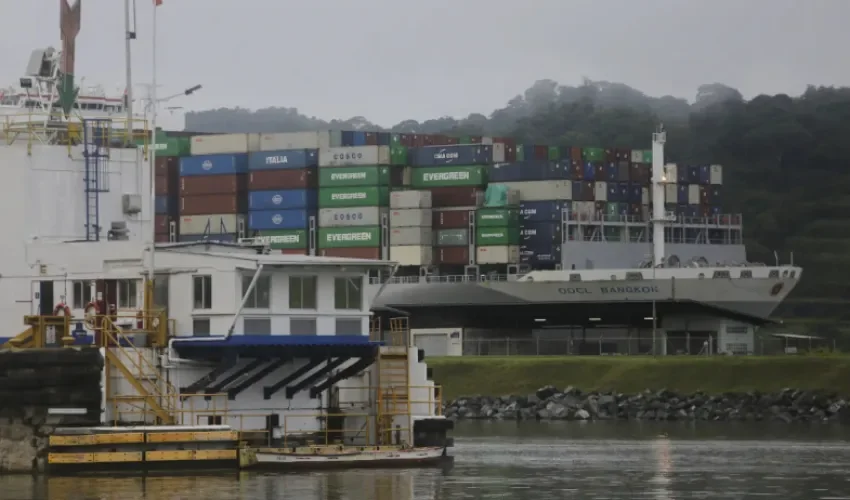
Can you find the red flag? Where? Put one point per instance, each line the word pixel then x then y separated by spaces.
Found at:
pixel 157 3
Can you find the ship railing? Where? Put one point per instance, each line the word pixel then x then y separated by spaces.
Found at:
pixel 212 407
pixel 446 278
pixel 720 220
pixel 395 396
pixel 295 437
pixel 40 127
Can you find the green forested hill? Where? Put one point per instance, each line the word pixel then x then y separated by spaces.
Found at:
pixel 786 162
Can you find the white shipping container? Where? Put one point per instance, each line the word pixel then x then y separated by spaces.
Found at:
pixel 671 193
pixel 411 217
pixel 355 155
pixel 213 224
pixel 693 194
pixel 644 196
pixel 514 197
pixel 542 190
pixel 411 236
pixel 715 175
pixel 498 152
pixel 584 210
pixel 412 255
pixel 487 140
pixel 224 144
pixel 350 217
pixel 637 156
pixel 600 191
pixel 671 172
pixel 410 199
pixel 295 140
pixel 503 254
pixel 334 140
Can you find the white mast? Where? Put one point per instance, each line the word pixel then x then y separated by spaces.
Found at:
pixel 659 215
pixel 154 105
pixel 129 35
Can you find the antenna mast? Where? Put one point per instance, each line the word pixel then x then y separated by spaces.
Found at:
pixel 129 35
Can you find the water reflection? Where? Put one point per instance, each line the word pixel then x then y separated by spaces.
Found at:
pixel 539 461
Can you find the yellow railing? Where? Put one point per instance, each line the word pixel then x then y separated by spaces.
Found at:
pixel 39 126
pixel 397 396
pixel 155 325
pixel 329 437
pixel 182 415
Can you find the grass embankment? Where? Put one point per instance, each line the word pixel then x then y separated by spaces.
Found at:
pixel 497 376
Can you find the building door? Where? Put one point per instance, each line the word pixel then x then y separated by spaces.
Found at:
pixel 45 298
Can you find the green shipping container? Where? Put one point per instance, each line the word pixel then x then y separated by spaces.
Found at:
pixel 452 237
pixel 349 237
pixel 354 197
pixel 495 236
pixel 593 154
pixel 398 154
pixel 395 140
pixel 166 146
pixel 354 176
pixel 430 177
pixel 286 239
pixel 497 217
pixel 554 153
pixel 647 156
pixel 520 152
pixel 612 209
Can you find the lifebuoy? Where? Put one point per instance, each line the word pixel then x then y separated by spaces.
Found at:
pixel 61 307
pixel 90 312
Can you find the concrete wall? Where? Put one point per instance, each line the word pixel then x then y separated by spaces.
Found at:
pixel 31 383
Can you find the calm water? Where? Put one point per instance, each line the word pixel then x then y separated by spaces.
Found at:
pixel 536 461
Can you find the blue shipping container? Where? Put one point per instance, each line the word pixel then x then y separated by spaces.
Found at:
pixel 682 193
pixel 214 164
pixel 692 211
pixel 219 238
pixel 589 171
pixel 464 154
pixel 347 138
pixel 540 242
pixel 384 138
pixel 704 174
pixel 624 192
pixel 287 158
pixel 262 220
pixel 614 192
pixel 282 199
pixel 611 172
pixel 540 211
pixel 715 210
pixel 359 138
pixel 161 205
pixel 577 185
pixel 635 193
pixel 682 174
pixel 693 174
pixel 558 170
pixel 516 172
pixel 715 195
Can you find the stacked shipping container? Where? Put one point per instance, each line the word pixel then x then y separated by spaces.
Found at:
pixel 411 237
pixel 282 197
pixel 353 199
pixel 694 190
pixel 166 183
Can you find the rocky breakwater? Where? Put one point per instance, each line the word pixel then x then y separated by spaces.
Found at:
pixel 550 403
pixel 34 381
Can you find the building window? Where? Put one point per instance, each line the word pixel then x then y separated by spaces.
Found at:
pixel 259 298
pixel 201 327
pixel 127 290
pixel 202 292
pixel 302 326
pixel 348 293
pixel 82 294
pixel 302 292
pixel 349 326
pixel 257 326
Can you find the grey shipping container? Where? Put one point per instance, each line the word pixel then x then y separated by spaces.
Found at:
pixel 411 236
pixel 411 217
pixel 452 237
pixel 348 217
pixel 410 199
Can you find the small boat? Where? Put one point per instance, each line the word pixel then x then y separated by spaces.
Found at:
pixel 343 457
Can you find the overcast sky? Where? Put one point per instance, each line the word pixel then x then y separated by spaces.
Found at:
pixel 394 59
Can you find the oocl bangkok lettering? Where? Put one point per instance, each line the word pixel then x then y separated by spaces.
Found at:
pixel 607 290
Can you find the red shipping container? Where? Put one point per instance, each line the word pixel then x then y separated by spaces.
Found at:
pixel 293 251
pixel 288 178
pixel 371 138
pixel 451 141
pixel 160 185
pixel 440 140
pixel 575 154
pixel 623 154
pixel 429 140
pixel 540 153
pixel 577 170
pixel 161 223
pixel 456 197
pixel 452 219
pixel 406 140
pixel 352 253
pixel 419 141
pixel 451 255
pixel 475 139
pixel 166 166
pixel 610 155
pixel 160 238
pixel 196 185
pixel 213 204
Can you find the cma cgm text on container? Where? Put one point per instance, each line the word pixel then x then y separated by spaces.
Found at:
pixel 467 154
pixel 290 158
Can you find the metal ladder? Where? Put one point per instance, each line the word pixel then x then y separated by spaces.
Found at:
pixel 96 135
pixel 393 381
